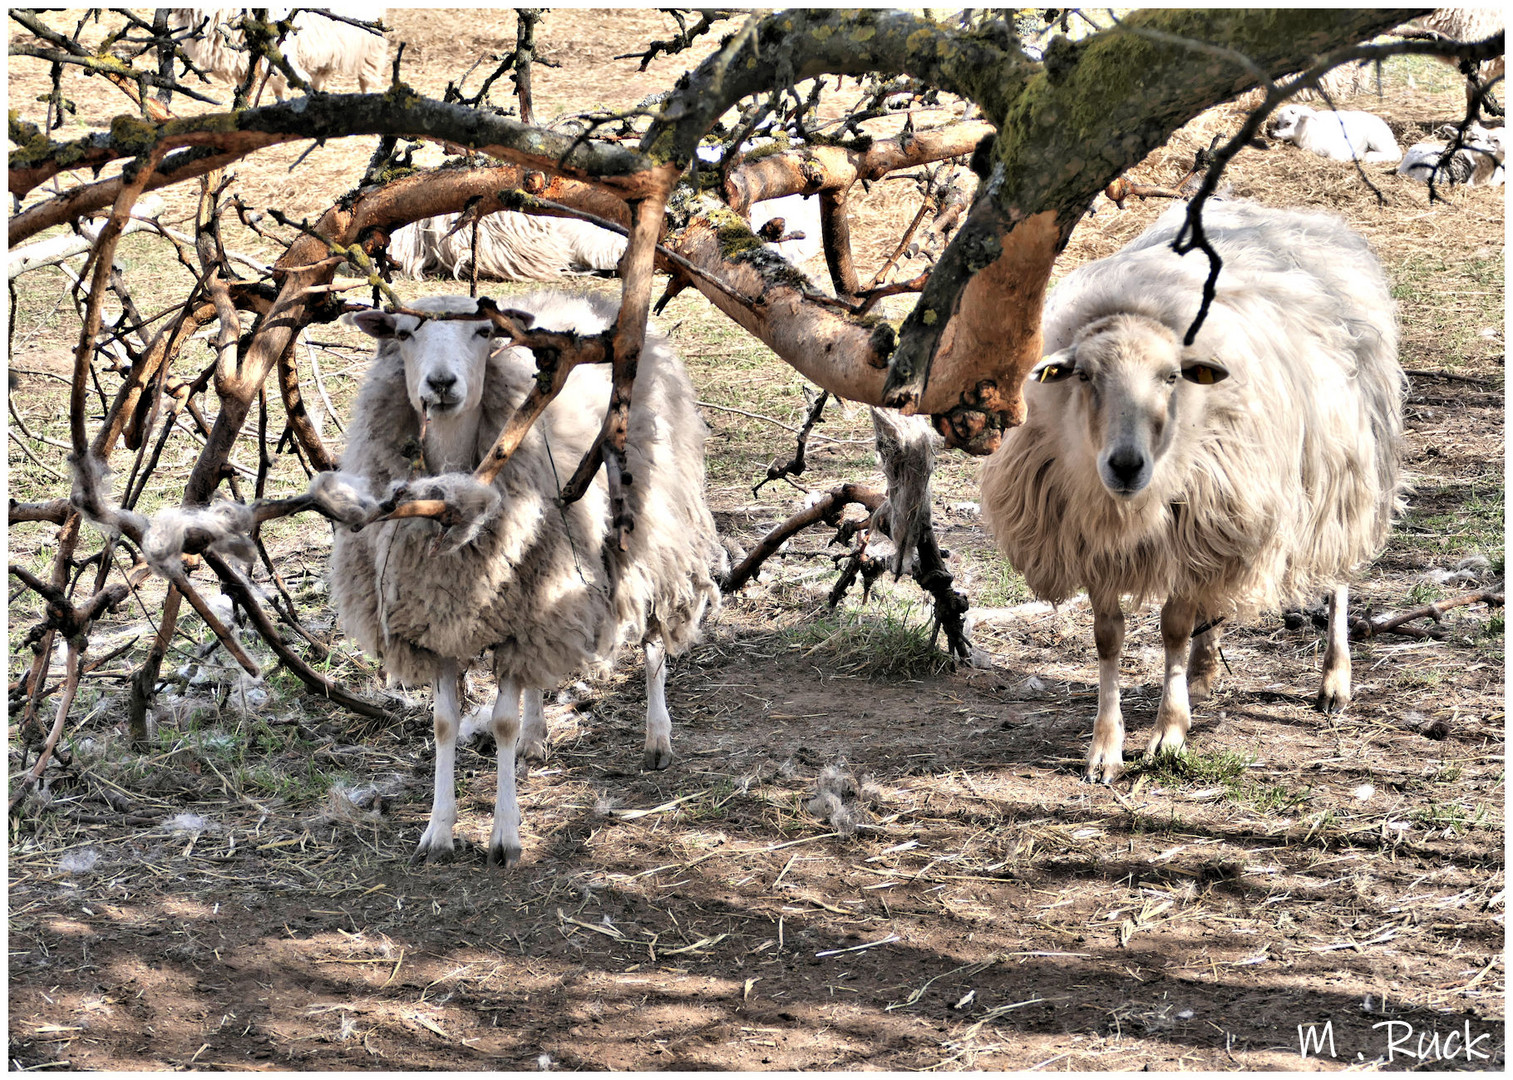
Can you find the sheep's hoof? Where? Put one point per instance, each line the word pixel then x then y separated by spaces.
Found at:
pixel 1200 686
pixel 1102 770
pixel 532 751
pixel 429 854
pixel 503 855
pixel 1331 703
pixel 1166 744
pixel 657 758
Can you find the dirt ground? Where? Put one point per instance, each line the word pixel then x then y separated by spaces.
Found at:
pixel 240 897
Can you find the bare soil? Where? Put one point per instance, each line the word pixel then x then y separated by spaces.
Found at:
pixel 240 898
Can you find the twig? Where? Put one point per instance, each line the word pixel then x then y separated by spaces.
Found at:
pixel 1424 373
pixel 795 465
pixel 778 423
pixel 237 586
pixel 64 704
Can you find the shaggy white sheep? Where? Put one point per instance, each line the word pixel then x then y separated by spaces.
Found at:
pixel 511 247
pixel 1339 136
pixel 1477 163
pixel 318 48
pixel 1256 465
pixel 538 584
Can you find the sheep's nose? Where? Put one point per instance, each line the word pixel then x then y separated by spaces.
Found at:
pixel 441 383
pixel 1126 465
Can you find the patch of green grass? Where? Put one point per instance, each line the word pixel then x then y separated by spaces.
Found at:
pixel 1456 519
pixel 1418 678
pixel 1424 593
pixel 1449 815
pixel 885 641
pixel 1195 766
pixel 994 582
pixel 1226 769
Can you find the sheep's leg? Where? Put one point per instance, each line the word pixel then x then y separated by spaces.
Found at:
pixel 1203 663
pixel 658 723
pixel 533 726
pixel 1174 714
pixel 1107 755
pixel 1334 693
pixel 504 841
pixel 437 839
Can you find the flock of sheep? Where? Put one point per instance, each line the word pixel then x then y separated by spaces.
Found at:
pixel 1254 464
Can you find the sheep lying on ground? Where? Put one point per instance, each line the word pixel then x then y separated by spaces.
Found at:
pixel 1477 163
pixel 1258 464
pixel 318 48
pixel 538 584
pixel 1339 136
pixel 511 247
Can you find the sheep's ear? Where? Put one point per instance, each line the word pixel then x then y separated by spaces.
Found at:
pixel 1054 368
pixel 1204 372
pixel 374 323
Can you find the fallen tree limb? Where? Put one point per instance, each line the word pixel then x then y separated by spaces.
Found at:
pixel 1361 629
pixel 826 508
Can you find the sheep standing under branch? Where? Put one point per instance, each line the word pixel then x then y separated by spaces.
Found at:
pixel 511 246
pixel 540 585
pixel 1257 465
pixel 1337 135
pixel 318 48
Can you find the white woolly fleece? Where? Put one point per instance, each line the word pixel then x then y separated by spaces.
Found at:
pixel 1280 478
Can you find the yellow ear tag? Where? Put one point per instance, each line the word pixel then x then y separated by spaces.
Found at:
pixel 1049 373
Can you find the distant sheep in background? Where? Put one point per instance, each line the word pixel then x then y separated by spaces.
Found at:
pixel 1477 163
pixel 540 585
pixel 1469 24
pixel 511 247
pixel 317 47
pixel 1259 464
pixel 800 215
pixel 1339 136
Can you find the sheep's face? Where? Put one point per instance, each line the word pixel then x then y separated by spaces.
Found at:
pixel 1129 389
pixel 445 360
pixel 1287 122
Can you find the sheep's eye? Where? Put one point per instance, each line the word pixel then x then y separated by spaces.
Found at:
pixel 485 332
pixel 1082 375
pixel 403 335
pixel 1172 376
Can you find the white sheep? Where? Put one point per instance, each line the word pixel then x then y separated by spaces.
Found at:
pixel 1477 163
pixel 1257 465
pixel 511 247
pixel 1337 135
pixel 317 47
pixel 538 584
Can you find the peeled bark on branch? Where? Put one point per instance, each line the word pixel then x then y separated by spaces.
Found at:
pixel 844 354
